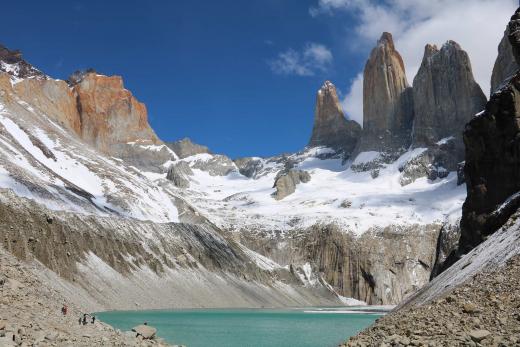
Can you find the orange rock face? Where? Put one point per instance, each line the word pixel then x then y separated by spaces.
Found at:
pixel 110 115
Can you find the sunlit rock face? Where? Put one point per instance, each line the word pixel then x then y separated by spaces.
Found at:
pixel 110 115
pixel 331 129
pixel 387 100
pixel 445 96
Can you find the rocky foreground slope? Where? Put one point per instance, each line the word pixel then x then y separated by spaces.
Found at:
pixel 30 313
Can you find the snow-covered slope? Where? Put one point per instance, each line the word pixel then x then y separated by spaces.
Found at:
pixel 41 160
pixel 337 192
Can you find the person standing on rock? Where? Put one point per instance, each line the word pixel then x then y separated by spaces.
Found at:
pixel 93 319
pixel 79 320
pixel 64 309
pixel 84 319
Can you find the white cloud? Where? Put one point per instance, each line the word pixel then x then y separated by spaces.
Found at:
pixel 477 25
pixel 314 57
pixel 353 101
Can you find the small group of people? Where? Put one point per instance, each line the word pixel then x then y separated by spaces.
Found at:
pixel 84 320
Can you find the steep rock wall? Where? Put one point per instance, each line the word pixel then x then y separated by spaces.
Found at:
pixel 382 266
pixel 387 100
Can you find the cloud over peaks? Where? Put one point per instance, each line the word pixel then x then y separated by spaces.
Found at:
pixel 477 25
pixel 312 58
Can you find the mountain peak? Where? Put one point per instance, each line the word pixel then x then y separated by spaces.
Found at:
pixel 331 129
pixel 386 39
pixel 12 63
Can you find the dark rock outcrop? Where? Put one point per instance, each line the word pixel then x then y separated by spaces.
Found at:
pixel 387 100
pixel 249 166
pixel 505 65
pixel 186 148
pixel 445 96
pixel 179 174
pixel 331 129
pixel 285 182
pixel 13 63
pixel 492 169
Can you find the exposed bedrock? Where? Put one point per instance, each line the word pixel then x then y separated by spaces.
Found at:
pixel 116 263
pixel 331 128
pixel 492 169
pixel 185 148
pixel 286 182
pixel 110 115
pixel 505 64
pixel 445 96
pixel 382 266
pixel 387 100
pixel 179 174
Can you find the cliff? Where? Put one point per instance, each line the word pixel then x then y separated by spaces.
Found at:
pixel 331 129
pixel 387 100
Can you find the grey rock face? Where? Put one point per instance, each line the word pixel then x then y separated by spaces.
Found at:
pixel 382 266
pixel 435 162
pixel 447 243
pixel 445 96
pixel 387 100
pixel 505 65
pixel 249 167
pixel 285 182
pixel 331 129
pixel 185 148
pixel 141 156
pixel 178 173
pixel 217 165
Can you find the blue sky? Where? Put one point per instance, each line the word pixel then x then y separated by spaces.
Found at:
pixel 237 76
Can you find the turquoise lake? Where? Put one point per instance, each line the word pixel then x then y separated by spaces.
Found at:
pixel 247 328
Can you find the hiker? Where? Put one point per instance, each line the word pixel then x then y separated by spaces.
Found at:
pixel 79 320
pixel 64 309
pixel 85 319
pixel 93 319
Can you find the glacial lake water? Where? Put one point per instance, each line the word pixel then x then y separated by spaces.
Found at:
pixel 312 327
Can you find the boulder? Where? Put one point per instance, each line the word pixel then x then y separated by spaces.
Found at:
pixel 286 181
pixel 186 148
pixel 445 96
pixel 331 128
pixel 146 331
pixel 178 173
pixel 387 100
pixel 505 64
pixel 479 335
